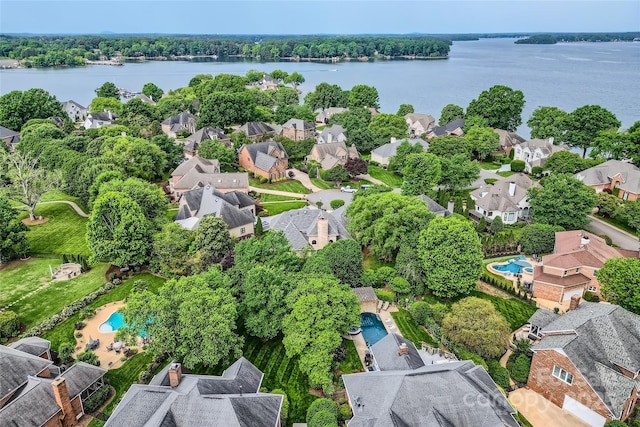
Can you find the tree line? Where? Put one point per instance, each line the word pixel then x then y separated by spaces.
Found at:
pixel 578 37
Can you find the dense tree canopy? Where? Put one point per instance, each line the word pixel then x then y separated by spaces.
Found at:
pixel 325 96
pixel 344 258
pixel 13 238
pixel 569 163
pixel 585 124
pixel 620 281
pixel 449 146
pixel 152 91
pixel 403 150
pixel 171 255
pixel 385 126
pixel 458 172
pixel 108 90
pixel 548 122
pixel 222 109
pixel 212 241
pixel 449 113
pixel 482 141
pixel 147 196
pixel 137 156
pixel 364 96
pixel 421 173
pixel 500 105
pixel 405 109
pixel 17 108
pixel 539 238
pixel 214 149
pixel 452 256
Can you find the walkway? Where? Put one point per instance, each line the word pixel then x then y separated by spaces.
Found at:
pixel 540 412
pixel 278 193
pixel 72 204
pixel 619 237
pixel 304 180
pixel 371 179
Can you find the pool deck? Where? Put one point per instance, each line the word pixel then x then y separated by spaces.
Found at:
pixel 387 321
pixel 108 359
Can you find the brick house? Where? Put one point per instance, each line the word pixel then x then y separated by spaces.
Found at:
pixel 586 361
pixel 178 124
pixel 612 175
pixel 333 154
pixel 573 267
pixel 507 140
pixel 198 172
pixel 193 141
pixel 298 130
pixel 419 124
pixel 266 159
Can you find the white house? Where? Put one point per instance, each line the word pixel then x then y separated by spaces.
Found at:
pixel 536 151
pixel 331 134
pixel 419 124
pixel 506 198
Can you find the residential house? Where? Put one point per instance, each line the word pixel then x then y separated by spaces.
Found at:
pixel 324 115
pixel 419 124
pixel 508 140
pixel 177 398
pixel 297 129
pixel 267 83
pixel 586 360
pixel 383 154
pixel 395 353
pixel 35 392
pixel 194 140
pixel 416 394
pixel 453 128
pixel 144 98
pixel 331 134
pixel 308 227
pixel 536 151
pixel 198 172
pixel 434 206
pixel 506 198
pixel 179 124
pixel 266 159
pixel 235 208
pixel 9 137
pixel 76 112
pixel 98 120
pixel 573 266
pixel 332 155
pixel 612 175
pixel 260 130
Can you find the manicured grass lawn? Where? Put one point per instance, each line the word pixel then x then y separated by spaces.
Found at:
pixel 275 198
pixel 279 207
pixel 53 297
pixel 291 186
pixel 506 173
pixel 389 178
pixel 516 312
pixel 54 195
pixel 373 263
pixel 352 362
pixel 18 278
pixel 63 332
pixel 618 224
pixel 489 165
pixel 411 330
pixel 322 184
pixel 64 233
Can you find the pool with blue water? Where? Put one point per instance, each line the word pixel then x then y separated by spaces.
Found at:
pixel 515 265
pixel 115 322
pixel 373 329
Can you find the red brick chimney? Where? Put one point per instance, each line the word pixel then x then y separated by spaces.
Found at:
pixel 63 400
pixel 175 374
pixel 575 301
pixel 403 349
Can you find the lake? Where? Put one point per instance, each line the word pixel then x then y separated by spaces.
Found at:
pixel 564 75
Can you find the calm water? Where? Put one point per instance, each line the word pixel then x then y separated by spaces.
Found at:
pixel 373 329
pixel 564 75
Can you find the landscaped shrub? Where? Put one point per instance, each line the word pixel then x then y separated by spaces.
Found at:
pixel 320 405
pixel 80 325
pixel 89 357
pixel 335 204
pixel 420 311
pixel 96 400
pixel 345 412
pixel 537 171
pixel 323 419
pixel 499 374
pixel 517 165
pixel 520 368
pixel 369 278
pixel 9 324
pixel 591 297
pixel 65 351
pixel 387 296
pixel 385 274
pixel 87 313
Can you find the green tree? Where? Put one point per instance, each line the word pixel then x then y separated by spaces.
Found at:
pixel 620 282
pixel 88 356
pixel 192 319
pixel 483 141
pixel 174 152
pixel 171 255
pixel 284 409
pixel 449 146
pixel 263 303
pixel 325 96
pixel 471 122
pixel 138 157
pixel 336 174
pixel 421 173
pixel 608 204
pixel 13 238
pixel 226 83
pixel 117 230
pixel 385 126
pixel 500 105
pixel 548 122
pixel 147 196
pixel 17 108
pixel 321 311
pixel 214 149
pixel 449 113
pixel 322 405
pixel 101 104
pixel 405 109
pixel 287 96
pixel 364 96
pixel 108 90
pixel 345 259
pixel 409 265
pixel 563 201
pixel 279 75
pixel 615 423
pixel 222 109
pixel 496 225
pixel 617 145
pixel 539 238
pixel 568 162
pixel 631 212
pixel 585 123
pixel 458 172
pixel 273 249
pixel 381 220
pixel 212 241
pixel 253 76
pixel 452 256
pixel 199 78
pixel 397 162
pixel 295 79
pixel 475 323
pixel 482 225
pixel 420 312
pixel 152 91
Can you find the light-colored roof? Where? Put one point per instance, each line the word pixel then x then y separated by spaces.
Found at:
pixel 389 150
pixel 300 224
pixel 331 134
pixel 508 139
pixel 571 252
pixel 204 201
pixel 326 114
pixel 298 124
pixel 199 164
pixel 604 172
pixel 496 197
pixel 337 150
pixel 365 294
pixel 426 121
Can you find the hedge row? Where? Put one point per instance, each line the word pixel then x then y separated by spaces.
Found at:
pixel 505 285
pixel 96 399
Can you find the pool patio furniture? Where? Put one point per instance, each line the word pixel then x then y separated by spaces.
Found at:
pixel 379 305
pixel 385 306
pixel 92 344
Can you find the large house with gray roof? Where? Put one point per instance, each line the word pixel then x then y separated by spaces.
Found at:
pixel 266 159
pixel 506 198
pixel 507 140
pixel 323 116
pixel 383 154
pixel 587 360
pixel 198 172
pixel 257 131
pixel 453 128
pixel 35 392
pixel 308 227
pixel 612 175
pixel 535 152
pixel 330 134
pixel 193 141
pixel 177 398
pixel 76 112
pixel 179 124
pixel 419 124
pixel 235 208
pixel 100 119
pixel 9 137
pixel 297 129
pixel 332 155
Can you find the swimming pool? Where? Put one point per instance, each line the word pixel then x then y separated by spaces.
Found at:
pixel 115 322
pixel 515 265
pixel 373 329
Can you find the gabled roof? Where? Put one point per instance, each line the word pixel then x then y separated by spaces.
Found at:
pixel 597 338
pixel 335 149
pixel 144 98
pixel 253 129
pixel 6 133
pixel 207 201
pixel 604 172
pixel 428 396
pixel 199 164
pixel 232 399
pixel 389 149
pixel 33 406
pixel 16 366
pixel 326 114
pixel 207 133
pixel 298 124
pixel 331 134
pixel 570 251
pixel 425 120
pixel 496 197
pixel 508 139
pixel 300 224
pixel 434 206
pixel 72 104
pixel 32 345
pixel 448 128
pixel 80 376
pixel 261 154
pixel 103 116
pixel 388 358
pixel 181 119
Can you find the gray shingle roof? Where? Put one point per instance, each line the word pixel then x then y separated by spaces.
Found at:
pixel 183 119
pixel 434 206
pixel 428 396
pixel 331 134
pixel 207 201
pixel 207 133
pixel 298 124
pixel 261 153
pixel 388 358
pixel 300 224
pixel 33 407
pixel 80 376
pixel 602 174
pixel 389 149
pixel 542 317
pixel 448 128
pixel 202 165
pixel 32 345
pixel 16 366
pixel 496 197
pixel 253 129
pixel 365 294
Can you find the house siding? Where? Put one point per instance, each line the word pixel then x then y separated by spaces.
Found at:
pixel 279 171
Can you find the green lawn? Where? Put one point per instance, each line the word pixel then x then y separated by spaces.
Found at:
pixel 411 330
pixel 489 165
pixel 322 184
pixel 63 332
pixel 516 312
pixel 264 197
pixel 352 362
pixel 276 208
pixel 291 186
pixel 64 233
pixel 42 298
pixel 371 262
pixel 389 178
pixel 61 195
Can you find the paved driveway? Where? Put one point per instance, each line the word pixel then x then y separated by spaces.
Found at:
pixel 540 412
pixel 619 237
pixel 326 196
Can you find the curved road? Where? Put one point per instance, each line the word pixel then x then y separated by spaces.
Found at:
pixel 619 237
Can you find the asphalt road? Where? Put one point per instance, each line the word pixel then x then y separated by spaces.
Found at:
pixel 618 237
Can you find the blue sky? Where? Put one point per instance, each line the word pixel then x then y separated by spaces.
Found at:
pixel 314 17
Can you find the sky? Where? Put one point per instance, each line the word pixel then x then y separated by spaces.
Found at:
pixel 317 17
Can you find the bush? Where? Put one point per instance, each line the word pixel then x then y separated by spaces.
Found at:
pixel 96 400
pixel 369 278
pixel 591 297
pixel 536 171
pixel 385 274
pixel 520 368
pixel 323 419
pixel 517 165
pixel 9 324
pixel 65 351
pixel 499 374
pixel 87 313
pixel 420 311
pixel 89 357
pixel 322 405
pixel 263 180
pixel 335 204
pixel 345 412
pixel 80 325
pixel 387 296
pixel 438 311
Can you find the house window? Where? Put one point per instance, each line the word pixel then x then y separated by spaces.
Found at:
pixel 313 242
pixel 595 273
pixel 511 216
pixel 490 213
pixel 592 289
pixel 563 375
pixel 242 230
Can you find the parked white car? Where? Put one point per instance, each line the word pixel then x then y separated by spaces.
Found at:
pixel 348 189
